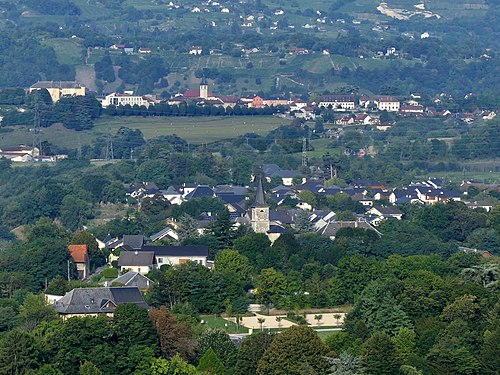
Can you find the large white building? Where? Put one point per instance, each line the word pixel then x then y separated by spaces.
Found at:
pixel 126 98
pixel 338 102
pixel 59 89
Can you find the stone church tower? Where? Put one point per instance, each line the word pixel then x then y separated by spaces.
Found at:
pixel 260 212
pixel 204 89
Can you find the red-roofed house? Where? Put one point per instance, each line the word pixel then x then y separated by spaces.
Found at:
pixel 80 255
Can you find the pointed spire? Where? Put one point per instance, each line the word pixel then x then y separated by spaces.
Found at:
pixel 260 199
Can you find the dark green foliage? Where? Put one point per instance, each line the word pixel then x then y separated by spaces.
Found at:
pixel 378 357
pixel 18 353
pixel 297 350
pixel 210 363
pixel 251 350
pixel 221 344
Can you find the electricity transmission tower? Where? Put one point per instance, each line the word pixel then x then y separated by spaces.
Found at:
pixel 109 147
pixel 37 136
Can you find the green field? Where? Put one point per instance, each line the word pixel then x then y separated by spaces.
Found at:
pixel 68 51
pixel 212 322
pixel 196 130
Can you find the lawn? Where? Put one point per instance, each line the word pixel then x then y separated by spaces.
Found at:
pixel 68 51
pixel 197 130
pixel 212 322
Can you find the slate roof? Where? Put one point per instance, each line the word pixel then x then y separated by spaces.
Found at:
pixel 274 170
pixel 98 300
pixel 136 258
pixel 132 278
pixel 388 210
pixel 260 200
pixel 201 191
pixel 313 186
pixel 160 234
pixel 134 241
pixel 333 227
pixel 190 250
pixel 56 84
pixel 79 253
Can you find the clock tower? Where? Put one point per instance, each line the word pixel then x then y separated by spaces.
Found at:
pixel 260 212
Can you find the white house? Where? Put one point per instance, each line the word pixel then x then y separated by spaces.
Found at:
pixel 178 255
pixel 124 99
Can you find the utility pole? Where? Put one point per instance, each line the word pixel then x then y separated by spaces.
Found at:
pixel 68 270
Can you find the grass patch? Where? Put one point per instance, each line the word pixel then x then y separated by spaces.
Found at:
pixel 197 130
pixel 68 51
pixel 212 322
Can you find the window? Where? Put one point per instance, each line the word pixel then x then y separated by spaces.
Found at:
pixel 160 260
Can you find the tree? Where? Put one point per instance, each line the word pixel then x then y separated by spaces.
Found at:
pixel 175 337
pixel 318 318
pixel 175 366
pixel 345 364
pixel 297 350
pixel 272 286
pixel 302 222
pixel 35 310
pixel 232 262
pixel 251 350
pixel 378 356
pixel 221 344
pixel 187 227
pixel 84 237
pixel 210 363
pixel 75 212
pixel 490 352
pixel 222 230
pixel 18 353
pixel 261 322
pixel 47 370
pixel 404 344
pixel 88 368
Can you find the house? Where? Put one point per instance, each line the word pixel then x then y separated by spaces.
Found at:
pixel 275 102
pixel 412 109
pixel 80 256
pixel 345 120
pixel 128 50
pixel 300 51
pixel 196 50
pixel 145 50
pixel 338 102
pixel 20 153
pixel 286 175
pixel 330 230
pixel 178 255
pixel 487 206
pixel 131 278
pixel 200 191
pixel 432 196
pixel 59 89
pixel 386 212
pixel 139 261
pixel 85 302
pixel 166 233
pixel 126 99
pixel 388 103
pixel 173 196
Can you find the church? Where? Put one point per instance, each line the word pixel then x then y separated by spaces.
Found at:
pixel 260 219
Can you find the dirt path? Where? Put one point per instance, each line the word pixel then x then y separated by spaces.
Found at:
pixel 86 76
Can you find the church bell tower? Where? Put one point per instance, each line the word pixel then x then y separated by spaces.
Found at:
pixel 260 212
pixel 204 89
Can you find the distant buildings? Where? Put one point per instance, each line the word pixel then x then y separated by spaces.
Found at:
pixel 126 99
pixel 59 89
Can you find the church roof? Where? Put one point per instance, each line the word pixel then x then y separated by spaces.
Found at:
pixel 260 199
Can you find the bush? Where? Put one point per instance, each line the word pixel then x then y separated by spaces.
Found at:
pixel 110 273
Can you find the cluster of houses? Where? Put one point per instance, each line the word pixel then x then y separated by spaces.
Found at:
pixel 136 255
pixel 25 154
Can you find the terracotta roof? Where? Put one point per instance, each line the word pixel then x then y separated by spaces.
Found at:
pixel 78 253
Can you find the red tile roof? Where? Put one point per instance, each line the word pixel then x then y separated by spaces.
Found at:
pixel 79 253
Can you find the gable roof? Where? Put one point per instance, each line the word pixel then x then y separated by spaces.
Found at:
pixel 132 278
pixel 388 210
pixel 333 227
pixel 133 241
pixel 136 258
pixel 79 253
pixel 98 300
pixel 201 191
pixel 191 250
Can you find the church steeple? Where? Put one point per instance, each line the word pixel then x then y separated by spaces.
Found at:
pixel 260 212
pixel 260 200
pixel 204 88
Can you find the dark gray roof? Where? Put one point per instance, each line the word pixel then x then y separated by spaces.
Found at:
pixel 98 300
pixel 389 210
pixel 201 191
pixel 333 227
pixel 191 250
pixel 136 258
pixel 134 241
pixel 56 84
pixel 260 200
pixel 160 234
pixel 132 278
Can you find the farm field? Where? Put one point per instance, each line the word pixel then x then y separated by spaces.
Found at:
pixel 196 130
